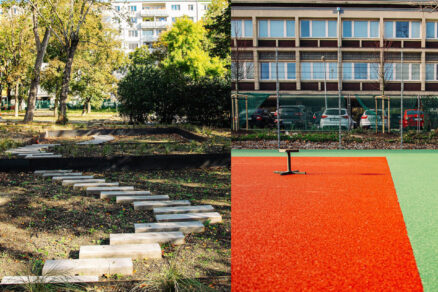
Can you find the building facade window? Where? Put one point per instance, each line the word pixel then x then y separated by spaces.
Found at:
pixel 133 19
pixel 147 32
pixel 402 29
pixel 242 70
pixel 133 46
pixel 176 7
pixel 360 71
pixel 431 30
pixel 133 33
pixel 411 72
pixel 431 72
pixel 280 28
pixel 190 7
pixel 117 8
pixel 132 8
pixel 286 71
pixel 318 28
pixel 241 28
pixel 360 29
pixel 317 71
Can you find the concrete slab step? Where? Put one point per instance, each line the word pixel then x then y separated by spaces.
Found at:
pixel 84 185
pixel 98 190
pixel 88 267
pixel 110 194
pixel 41 172
pixel 68 177
pixel 176 238
pixel 149 205
pixel 52 174
pixel 130 199
pixel 184 209
pixel 133 251
pixel 185 227
pixel 42 156
pixel 70 182
pixel 213 217
pixel 17 280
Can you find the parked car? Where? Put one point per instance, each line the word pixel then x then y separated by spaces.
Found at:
pixel 261 118
pixel 292 116
pixel 330 118
pixel 413 118
pixel 368 119
pixel 316 118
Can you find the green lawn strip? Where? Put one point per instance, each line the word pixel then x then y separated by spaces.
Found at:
pixel 414 173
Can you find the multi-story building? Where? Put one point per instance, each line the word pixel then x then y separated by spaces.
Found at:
pixel 358 48
pixel 142 21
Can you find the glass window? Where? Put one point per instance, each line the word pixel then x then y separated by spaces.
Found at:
pixel 291 71
pixel 249 67
pixel 248 28
pixel 397 71
pixel 277 28
pixel 332 28
pixel 374 71
pixel 148 33
pixel 305 28
pixel 318 28
pixel 360 71
pixel 305 71
pixel 347 71
pixel 274 70
pixel 374 29
pixel 233 70
pixel 281 73
pixel 333 70
pixel 290 28
pixel 415 71
pixel 402 29
pixel 263 28
pixel 430 30
pixel 389 29
pixel 346 29
pixel 415 29
pixel 430 71
pixel 264 68
pixel 406 74
pixel 388 74
pixel 318 71
pixel 436 75
pixel 361 29
pixel 236 28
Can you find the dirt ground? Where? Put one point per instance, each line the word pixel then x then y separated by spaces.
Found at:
pixel 42 220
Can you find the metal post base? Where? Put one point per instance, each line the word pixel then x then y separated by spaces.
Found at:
pixel 290 172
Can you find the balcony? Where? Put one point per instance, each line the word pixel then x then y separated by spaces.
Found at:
pixel 152 24
pixel 149 38
pixel 154 12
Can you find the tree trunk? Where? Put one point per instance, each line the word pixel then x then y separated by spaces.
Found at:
pixel 56 106
pixel 8 94
pixel 88 107
pixel 62 119
pixel 33 90
pixel 16 99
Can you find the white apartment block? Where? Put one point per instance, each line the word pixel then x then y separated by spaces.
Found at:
pixel 141 21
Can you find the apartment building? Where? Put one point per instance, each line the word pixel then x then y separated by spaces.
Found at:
pixel 141 22
pixel 356 48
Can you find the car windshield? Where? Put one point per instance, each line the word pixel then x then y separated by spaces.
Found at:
pixel 335 112
pixel 414 112
pixel 293 111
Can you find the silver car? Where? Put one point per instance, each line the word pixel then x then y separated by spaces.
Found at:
pixel 368 119
pixel 330 118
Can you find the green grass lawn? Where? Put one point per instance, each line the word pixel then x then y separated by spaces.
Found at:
pixel 414 174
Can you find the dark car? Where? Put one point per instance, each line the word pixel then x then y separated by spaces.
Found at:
pixel 261 118
pixel 292 116
pixel 316 118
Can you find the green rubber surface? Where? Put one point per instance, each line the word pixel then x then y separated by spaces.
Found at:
pixel 415 176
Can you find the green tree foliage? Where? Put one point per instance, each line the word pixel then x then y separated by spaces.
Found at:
pixel 186 51
pixel 218 25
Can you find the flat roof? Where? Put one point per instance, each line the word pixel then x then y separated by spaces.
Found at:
pixel 338 2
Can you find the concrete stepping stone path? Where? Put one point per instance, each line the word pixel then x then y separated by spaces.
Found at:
pixel 176 238
pixel 41 172
pixel 98 190
pixel 184 209
pixel 52 174
pixel 70 182
pixel 42 156
pixel 133 251
pixel 68 177
pixel 149 205
pixel 110 194
pixel 213 217
pixel 97 139
pixel 17 280
pixel 94 184
pixel 185 227
pixel 91 267
pixel 130 199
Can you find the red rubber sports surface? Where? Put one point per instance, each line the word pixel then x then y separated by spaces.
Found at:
pixel 338 227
